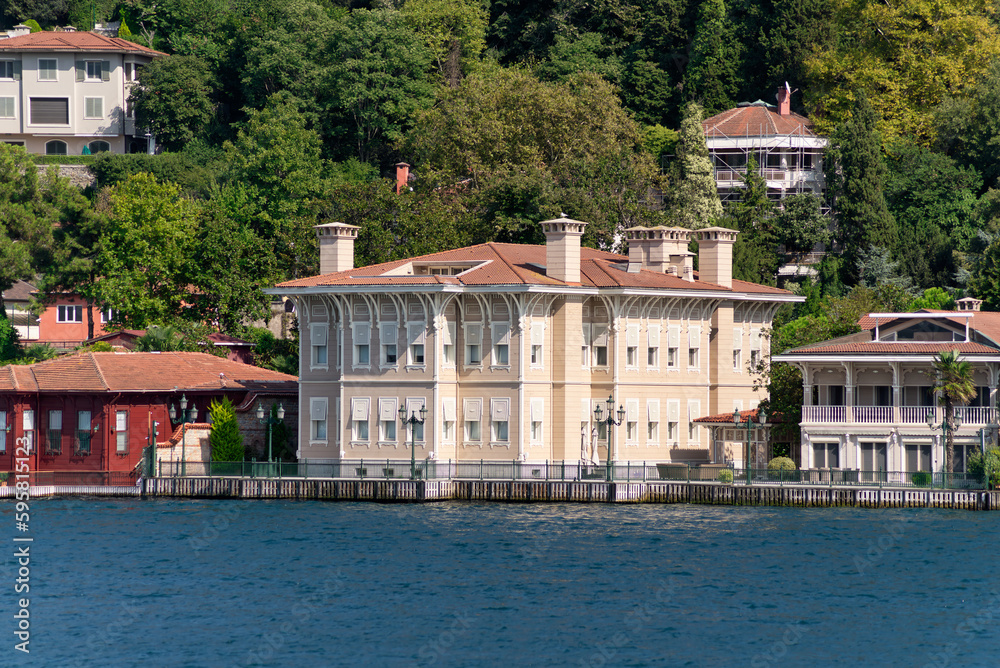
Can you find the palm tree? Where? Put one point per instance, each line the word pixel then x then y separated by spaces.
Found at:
pixel 956 386
pixel 157 338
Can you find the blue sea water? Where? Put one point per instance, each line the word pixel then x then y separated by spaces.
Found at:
pixel 282 583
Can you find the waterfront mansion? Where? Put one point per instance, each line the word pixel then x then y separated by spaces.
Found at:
pixel 868 398
pixel 510 348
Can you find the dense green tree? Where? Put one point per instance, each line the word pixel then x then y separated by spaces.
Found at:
pixel 800 226
pixel 46 12
pixel 755 256
pixel 790 31
pixel 376 83
pixel 968 128
pixel 145 252
pixel 454 32
pixel 226 440
pixel 174 99
pixel 586 53
pixel 856 177
pixel 906 56
pixel 695 197
pixel 715 54
pixel 934 298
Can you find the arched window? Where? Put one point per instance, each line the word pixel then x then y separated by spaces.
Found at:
pixel 99 147
pixel 55 147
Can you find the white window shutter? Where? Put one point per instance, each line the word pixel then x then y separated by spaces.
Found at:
pixel 448 409
pixel 501 334
pixel 632 336
pixel 387 409
pixel 600 334
pixel 449 333
pixel 694 409
pixel 653 410
pixel 390 333
pixel 653 336
pixel 414 404
pixel 674 410
pixel 755 338
pixel 500 410
pixel 694 336
pixel 317 408
pixel 632 410
pixel 473 335
pixel 362 334
pixel 28 420
pixel 737 338
pixel 537 409
pixel 415 333
pixel 318 333
pixel 674 336
pixel 473 409
pixel 537 333
pixel 587 411
pixel 359 408
pixel 585 330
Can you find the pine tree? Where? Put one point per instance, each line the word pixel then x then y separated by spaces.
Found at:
pixel 696 200
pixel 711 72
pixel 856 176
pixel 226 439
pixel 754 255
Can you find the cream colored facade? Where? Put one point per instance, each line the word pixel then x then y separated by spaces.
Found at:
pixel 515 370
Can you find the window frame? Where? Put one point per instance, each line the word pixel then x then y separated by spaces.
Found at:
pixel 53 437
pixel 87 115
pixel 13 107
pixel 54 69
pixel 121 433
pixel 63 309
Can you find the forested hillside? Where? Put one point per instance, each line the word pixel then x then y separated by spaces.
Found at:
pixel 278 114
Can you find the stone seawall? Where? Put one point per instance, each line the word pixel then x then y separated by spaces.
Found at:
pixel 409 491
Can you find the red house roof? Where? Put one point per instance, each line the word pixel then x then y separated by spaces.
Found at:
pixel 74 41
pixel 518 264
pixel 756 120
pixel 142 372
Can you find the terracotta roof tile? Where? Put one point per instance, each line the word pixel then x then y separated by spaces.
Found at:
pixel 755 121
pixel 519 264
pixel 19 292
pixel 892 347
pixel 727 418
pixel 74 41
pixel 141 372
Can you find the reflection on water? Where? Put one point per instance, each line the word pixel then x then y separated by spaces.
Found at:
pixel 207 583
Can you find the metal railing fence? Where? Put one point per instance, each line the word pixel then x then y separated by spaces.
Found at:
pixel 398 469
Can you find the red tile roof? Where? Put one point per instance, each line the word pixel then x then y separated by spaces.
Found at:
pixel 141 372
pixel 756 120
pixel 74 41
pixel 519 264
pixel 727 418
pixel 894 347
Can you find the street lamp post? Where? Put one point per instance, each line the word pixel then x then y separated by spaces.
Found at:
pixel 186 415
pixel 945 428
pixel 271 422
pixel 748 452
pixel 610 422
pixel 413 420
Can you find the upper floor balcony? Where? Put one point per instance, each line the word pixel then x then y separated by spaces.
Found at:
pixel 895 415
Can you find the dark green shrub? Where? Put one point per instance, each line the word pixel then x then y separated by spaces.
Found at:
pixel 726 476
pixel 779 464
pixel 921 478
pixel 226 439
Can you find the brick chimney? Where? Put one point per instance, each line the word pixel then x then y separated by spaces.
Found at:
pixel 19 29
pixel 562 248
pixel 336 246
pixel 402 177
pixel 715 255
pixel 968 304
pixel 784 100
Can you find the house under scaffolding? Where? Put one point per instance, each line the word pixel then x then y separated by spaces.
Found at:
pixel 788 153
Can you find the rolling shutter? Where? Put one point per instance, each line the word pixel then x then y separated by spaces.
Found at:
pixel 50 111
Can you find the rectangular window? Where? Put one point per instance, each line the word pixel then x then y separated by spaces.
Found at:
pixel 448 431
pixel 694 412
pixel 389 336
pixel 537 416
pixel 28 429
pixel 632 346
pixel 318 334
pixel 653 346
pixel 694 346
pixel 448 418
pixel 7 107
pixel 671 431
pixel 49 111
pixel 3 431
pixel 738 349
pixel 737 360
pixel 53 440
pixel 107 315
pixel 94 70
pixel 632 421
pixel 93 107
pixel 83 432
pixel 121 432
pixel 826 455
pixel 602 431
pixel 631 356
pixel 652 431
pixel 671 358
pixel 673 346
pixel 536 432
pixel 69 313
pixel 501 344
pixel 652 358
pixel 387 416
pixel 631 431
pixel 500 419
pixel 585 346
pixel 600 345
pixel 359 418
pixel 693 358
pixel 387 430
pixel 416 338
pixel 653 421
pixel 6 69
pixel 317 418
pixel 47 68
pixel 473 341
pixel 918 457
pixel 388 353
pixel 129 71
pixel 417 354
pixel 473 415
pixel 448 335
pixel 417 432
pixel 537 343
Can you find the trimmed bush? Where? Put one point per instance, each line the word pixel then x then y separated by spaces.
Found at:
pixel 725 476
pixel 780 464
pixel 921 478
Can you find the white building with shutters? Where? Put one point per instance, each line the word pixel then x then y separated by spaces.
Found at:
pixel 510 348
pixel 66 93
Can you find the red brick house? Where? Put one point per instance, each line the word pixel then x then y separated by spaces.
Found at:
pixel 95 412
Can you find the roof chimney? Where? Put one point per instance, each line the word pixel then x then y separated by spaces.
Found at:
pixel 968 304
pixel 562 249
pixel 784 100
pixel 69 29
pixel 402 176
pixel 19 29
pixel 336 246
pixel 715 255
pixel 661 249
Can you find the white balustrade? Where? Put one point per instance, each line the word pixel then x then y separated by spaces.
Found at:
pixel 916 414
pixel 872 414
pixel 975 414
pixel 819 414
